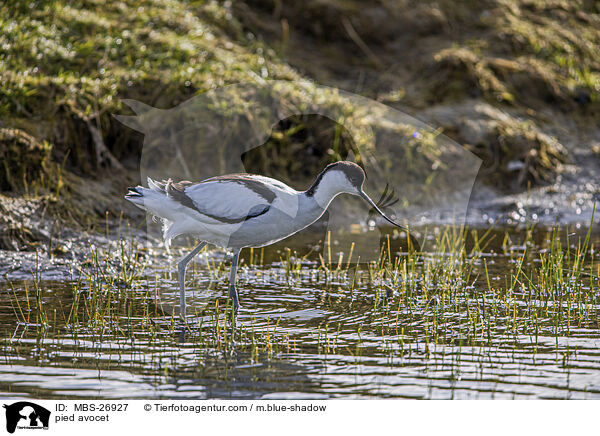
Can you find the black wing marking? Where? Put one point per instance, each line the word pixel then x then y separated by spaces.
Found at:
pixel 243 179
pixel 176 190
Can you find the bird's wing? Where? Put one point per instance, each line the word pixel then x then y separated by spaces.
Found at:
pixel 286 198
pixel 226 199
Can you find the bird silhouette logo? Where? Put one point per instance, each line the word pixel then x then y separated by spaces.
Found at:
pixel 26 415
pixel 204 137
pixel 243 167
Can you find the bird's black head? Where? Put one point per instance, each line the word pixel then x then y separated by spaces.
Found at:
pixel 347 176
pixel 354 174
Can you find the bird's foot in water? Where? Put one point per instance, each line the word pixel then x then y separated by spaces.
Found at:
pixel 234 314
pixel 233 295
pixel 181 328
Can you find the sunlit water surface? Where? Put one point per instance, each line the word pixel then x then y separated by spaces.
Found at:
pixel 300 335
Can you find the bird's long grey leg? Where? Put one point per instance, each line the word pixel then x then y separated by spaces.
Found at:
pixel 181 266
pixel 232 289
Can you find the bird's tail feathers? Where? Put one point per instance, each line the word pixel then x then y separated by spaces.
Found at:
pixel 136 196
pixel 156 185
pixel 154 200
pixel 140 195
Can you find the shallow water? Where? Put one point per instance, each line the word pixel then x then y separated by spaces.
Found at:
pixel 305 333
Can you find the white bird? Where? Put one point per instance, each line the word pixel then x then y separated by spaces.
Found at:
pixel 236 211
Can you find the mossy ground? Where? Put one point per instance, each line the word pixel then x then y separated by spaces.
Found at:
pixel 65 68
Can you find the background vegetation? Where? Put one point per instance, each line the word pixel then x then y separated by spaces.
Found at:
pixel 515 81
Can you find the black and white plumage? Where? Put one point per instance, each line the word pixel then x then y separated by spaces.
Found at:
pixel 243 210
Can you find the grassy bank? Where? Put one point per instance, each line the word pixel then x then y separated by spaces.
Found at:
pixel 501 78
